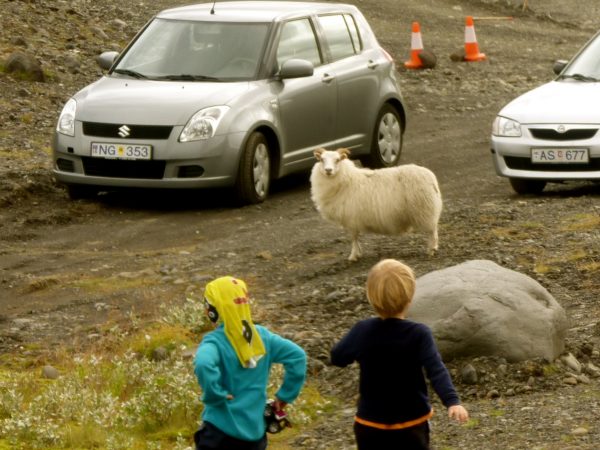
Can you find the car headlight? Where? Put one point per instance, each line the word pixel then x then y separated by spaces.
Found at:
pixel 203 124
pixel 506 127
pixel 66 120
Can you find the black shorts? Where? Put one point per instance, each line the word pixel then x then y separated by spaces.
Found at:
pixel 209 437
pixel 412 438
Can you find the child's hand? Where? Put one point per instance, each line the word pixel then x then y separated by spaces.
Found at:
pixel 459 413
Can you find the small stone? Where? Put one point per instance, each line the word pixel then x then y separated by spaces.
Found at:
pixel 266 255
pixel 493 394
pixel 580 431
pixel 570 380
pixel 160 354
pixel 468 374
pixel 50 372
pixel 571 362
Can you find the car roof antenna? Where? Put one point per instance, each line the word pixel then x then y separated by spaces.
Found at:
pixel 212 10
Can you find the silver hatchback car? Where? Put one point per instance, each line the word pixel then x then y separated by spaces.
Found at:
pixel 232 94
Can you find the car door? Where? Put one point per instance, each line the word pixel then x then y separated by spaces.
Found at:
pixel 308 105
pixel 357 81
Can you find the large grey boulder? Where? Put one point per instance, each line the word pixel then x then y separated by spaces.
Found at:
pixel 479 308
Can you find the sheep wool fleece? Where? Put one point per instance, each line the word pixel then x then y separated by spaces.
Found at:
pixel 220 373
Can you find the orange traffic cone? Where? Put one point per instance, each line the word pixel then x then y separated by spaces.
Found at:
pixel 471 47
pixel 416 47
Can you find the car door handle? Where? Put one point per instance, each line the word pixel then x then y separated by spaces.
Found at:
pixel 372 64
pixel 327 78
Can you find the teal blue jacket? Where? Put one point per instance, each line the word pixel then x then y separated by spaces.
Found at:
pixel 220 373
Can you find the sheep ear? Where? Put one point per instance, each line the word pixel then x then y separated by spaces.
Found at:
pixel 344 152
pixel 318 152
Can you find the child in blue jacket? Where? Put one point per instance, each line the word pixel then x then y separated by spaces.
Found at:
pixel 232 365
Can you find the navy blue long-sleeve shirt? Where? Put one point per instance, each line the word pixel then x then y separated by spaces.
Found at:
pixel 392 354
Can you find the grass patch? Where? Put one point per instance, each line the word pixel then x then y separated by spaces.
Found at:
pixel 593 266
pixel 105 285
pixel 497 413
pixel 117 397
pixel 582 222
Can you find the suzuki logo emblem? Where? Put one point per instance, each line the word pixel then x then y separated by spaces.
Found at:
pixel 124 131
pixel 561 129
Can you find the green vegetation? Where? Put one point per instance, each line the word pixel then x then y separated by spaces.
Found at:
pixel 121 397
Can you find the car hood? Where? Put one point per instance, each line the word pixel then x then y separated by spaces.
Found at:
pixel 557 102
pixel 149 102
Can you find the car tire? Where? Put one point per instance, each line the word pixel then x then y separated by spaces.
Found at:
pixel 523 186
pixel 386 146
pixel 254 173
pixel 81 191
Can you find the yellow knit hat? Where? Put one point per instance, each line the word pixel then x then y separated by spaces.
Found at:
pixel 228 302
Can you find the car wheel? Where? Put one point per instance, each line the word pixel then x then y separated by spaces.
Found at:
pixel 254 173
pixel 386 146
pixel 523 186
pixel 81 191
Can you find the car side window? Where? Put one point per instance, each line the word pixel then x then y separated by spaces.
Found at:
pixel 298 41
pixel 342 35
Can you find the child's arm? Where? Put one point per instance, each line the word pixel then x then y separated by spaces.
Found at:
pixel 344 352
pixel 440 378
pixel 206 368
pixel 293 358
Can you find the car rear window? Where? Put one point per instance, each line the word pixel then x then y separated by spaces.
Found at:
pixel 341 34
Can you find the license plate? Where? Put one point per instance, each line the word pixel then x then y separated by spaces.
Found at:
pixel 121 151
pixel 560 155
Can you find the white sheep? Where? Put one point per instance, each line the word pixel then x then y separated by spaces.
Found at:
pixel 390 201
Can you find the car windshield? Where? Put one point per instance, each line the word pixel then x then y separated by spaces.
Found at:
pixel 586 67
pixel 195 51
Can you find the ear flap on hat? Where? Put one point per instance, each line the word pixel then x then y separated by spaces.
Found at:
pixel 213 314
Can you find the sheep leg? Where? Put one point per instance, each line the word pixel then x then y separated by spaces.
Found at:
pixel 356 250
pixel 432 242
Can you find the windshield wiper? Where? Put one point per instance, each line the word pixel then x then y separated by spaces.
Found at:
pixel 579 77
pixel 187 77
pixel 131 73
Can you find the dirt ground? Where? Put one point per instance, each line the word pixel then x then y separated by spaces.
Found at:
pixel 71 270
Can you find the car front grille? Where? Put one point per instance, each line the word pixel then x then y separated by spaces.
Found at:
pixel 570 135
pixel 119 168
pixel 517 163
pixel 111 130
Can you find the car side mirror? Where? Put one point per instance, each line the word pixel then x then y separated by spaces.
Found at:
pixel 106 59
pixel 296 68
pixel 559 65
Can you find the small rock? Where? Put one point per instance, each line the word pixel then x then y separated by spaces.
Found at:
pixel 160 354
pixel 266 255
pixel 468 374
pixel 25 64
pixel 50 372
pixel 493 394
pixel 571 362
pixel 570 380
pixel 580 431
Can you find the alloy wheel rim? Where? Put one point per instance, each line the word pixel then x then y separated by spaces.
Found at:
pixel 388 138
pixel 260 170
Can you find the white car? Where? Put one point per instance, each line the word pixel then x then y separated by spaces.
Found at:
pixel 550 134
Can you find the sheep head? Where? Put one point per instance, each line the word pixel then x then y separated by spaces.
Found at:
pixel 329 159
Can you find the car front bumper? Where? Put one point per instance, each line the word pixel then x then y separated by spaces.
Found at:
pixel 199 164
pixel 512 159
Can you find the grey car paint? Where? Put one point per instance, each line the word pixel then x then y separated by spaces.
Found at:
pixel 336 104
